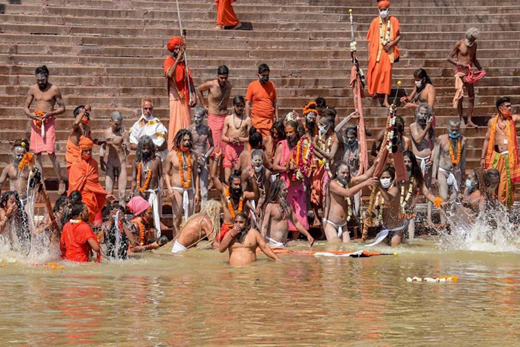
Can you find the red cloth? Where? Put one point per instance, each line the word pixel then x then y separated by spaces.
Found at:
pixel 226 15
pixel 74 241
pixel 262 96
pixel 174 41
pixel 83 176
pixel 85 143
pixel 474 76
pixel 179 76
pixel 224 230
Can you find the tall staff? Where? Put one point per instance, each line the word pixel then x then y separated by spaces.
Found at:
pixel 183 35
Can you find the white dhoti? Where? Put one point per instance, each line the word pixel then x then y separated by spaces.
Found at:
pixel 451 180
pixel 153 200
pixel 338 227
pixel 424 163
pixel 273 243
pixel 178 248
pixel 185 200
pixel 383 234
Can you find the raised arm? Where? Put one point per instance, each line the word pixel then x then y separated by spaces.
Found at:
pixel 335 188
pixel 418 134
pixel 214 177
pixel 227 240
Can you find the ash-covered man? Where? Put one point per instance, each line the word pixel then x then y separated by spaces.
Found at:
pixel 449 162
pixel 43 130
pixel 203 147
pixel 147 177
pixel 262 176
pixel 117 146
pixel 19 170
pixel 182 178
pixel 149 125
pixel 423 138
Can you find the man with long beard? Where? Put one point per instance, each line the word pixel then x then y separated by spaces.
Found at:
pixel 18 171
pixel 182 178
pixel 292 161
pixel 149 125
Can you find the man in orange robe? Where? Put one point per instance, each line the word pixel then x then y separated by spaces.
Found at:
pixel 382 37
pixel 226 16
pixel 261 102
pixel 179 87
pixel 500 150
pixel 83 176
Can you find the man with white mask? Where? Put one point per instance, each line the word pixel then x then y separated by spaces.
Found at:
pixel 464 57
pixel 149 125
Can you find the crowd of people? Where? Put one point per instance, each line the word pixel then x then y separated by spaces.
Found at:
pixel 276 176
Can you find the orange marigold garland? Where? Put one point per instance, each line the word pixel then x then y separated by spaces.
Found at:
pixel 27 160
pixel 146 182
pixel 438 201
pixel 185 184
pixel 230 205
pixel 142 230
pixel 310 107
pixel 454 160
pixel 39 122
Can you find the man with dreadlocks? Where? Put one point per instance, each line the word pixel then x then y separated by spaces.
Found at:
pixel 182 178
pixel 205 224
pixel 147 177
pixel 278 213
pixel 481 187
pixel 233 197
pixel 262 176
pixel 310 117
pixel 18 171
pixel 14 226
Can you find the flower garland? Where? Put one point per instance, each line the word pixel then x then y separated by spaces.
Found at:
pixel 455 161
pixel 146 182
pixel 27 160
pixel 185 184
pixel 404 201
pixel 384 37
pixel 302 159
pixel 39 122
pixel 349 204
pixel 310 108
pixel 390 130
pixel 380 202
pixel 326 148
pixel 438 201
pixel 142 230
pixel 230 205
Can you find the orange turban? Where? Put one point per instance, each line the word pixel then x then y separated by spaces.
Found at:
pixel 85 143
pixel 383 3
pixel 174 41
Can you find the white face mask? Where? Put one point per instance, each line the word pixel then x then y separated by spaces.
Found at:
pixel 258 168
pixel 386 182
pixel 324 129
pixel 383 14
pixel 418 84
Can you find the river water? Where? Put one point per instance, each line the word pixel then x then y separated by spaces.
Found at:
pixel 197 299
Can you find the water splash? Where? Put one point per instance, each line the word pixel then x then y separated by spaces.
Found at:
pixel 493 230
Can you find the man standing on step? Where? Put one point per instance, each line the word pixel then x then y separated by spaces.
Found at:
pixel 148 125
pixel 382 37
pixel 464 56
pixel 43 131
pixel 80 128
pixel 500 150
pixel 219 91
pixel 262 95
pixel 181 91
pixel 226 17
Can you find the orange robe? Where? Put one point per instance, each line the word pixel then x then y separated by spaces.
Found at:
pixel 72 153
pixel 83 176
pixel 262 96
pixel 178 94
pixel 226 15
pixel 379 74
pixel 506 163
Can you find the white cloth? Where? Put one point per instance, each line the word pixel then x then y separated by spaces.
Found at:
pixel 424 162
pixel 273 243
pixel 338 227
pixel 153 200
pixel 185 200
pixel 383 234
pixel 178 248
pixel 153 128
pixel 451 180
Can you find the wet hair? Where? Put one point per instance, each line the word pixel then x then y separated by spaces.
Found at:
pixel 22 143
pixel 75 196
pixel 62 199
pixel 211 209
pixel 117 207
pixel 502 100
pixel 422 74
pixel 78 109
pixel 180 135
pixel 490 175
pixel 274 191
pixel 199 111
pixel 416 170
pixel 391 171
pixel 340 165
pixel 76 209
pixel 146 140
pixel 246 217
pixel 222 70
pixel 321 102
pixel 263 68
pixel 473 32
pixel 257 153
pixel 255 138
pixel 21 227
pixel 42 70
pixel 329 118
pixel 234 174
pixel 162 240
pixel 280 129
pixel 116 115
pixel 238 99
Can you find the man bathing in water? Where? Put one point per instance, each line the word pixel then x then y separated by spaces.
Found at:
pixel 19 170
pixel 14 225
pixel 205 224
pixel 341 207
pixel 242 242
pixel 481 187
pixel 275 226
pixel 117 146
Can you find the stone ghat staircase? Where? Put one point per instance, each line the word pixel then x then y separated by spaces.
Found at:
pixel 110 54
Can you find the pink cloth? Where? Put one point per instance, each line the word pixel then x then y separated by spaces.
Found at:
pixel 45 144
pixel 137 205
pixel 180 112
pixel 474 76
pixel 286 155
pixel 232 154
pixel 465 75
pixel 216 124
